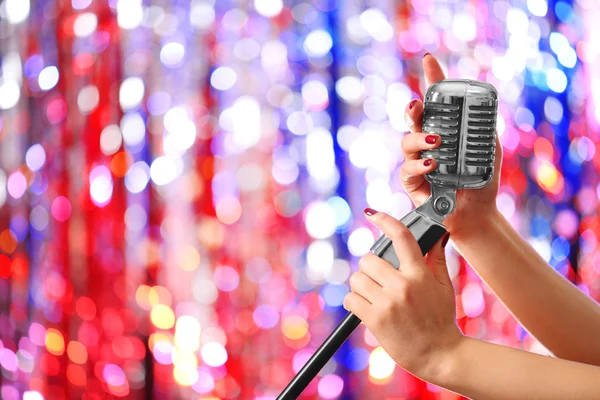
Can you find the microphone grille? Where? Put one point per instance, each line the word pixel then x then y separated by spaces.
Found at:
pixel 463 113
pixel 481 136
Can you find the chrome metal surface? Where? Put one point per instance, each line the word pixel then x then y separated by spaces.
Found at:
pixel 463 113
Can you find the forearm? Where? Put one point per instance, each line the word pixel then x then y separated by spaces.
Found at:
pixel 481 370
pixel 553 310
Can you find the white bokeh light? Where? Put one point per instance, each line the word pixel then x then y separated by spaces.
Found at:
pixel 133 129
pixel 315 95
pixel 131 93
pixel 398 96
pixel 375 22
pixel 101 185
pixel 214 354
pixel 349 88
pixel 111 139
pixel 268 8
pixel 202 15
pixel 319 257
pixel 130 13
pixel 381 365
pixel 299 123
pixel 273 57
pixel 346 135
pixel 223 78
pixel 517 22
pixel 320 158
pixel 32 395
pixel 568 57
pixel 318 43
pixel 558 42
pixel 246 122
pixel 35 158
pixel 17 11
pixel 173 116
pixel 379 195
pixel 88 99
pixel 464 27
pixel 320 220
pixel 553 110
pixel 539 8
pixel 137 177
pixel 369 150
pixel 172 54
pixel 375 109
pixel 48 78
pixel 136 217
pixel 85 24
pixel 10 93
pixel 181 136
pixel 556 80
pixel 12 67
pixel 163 170
pixel 360 241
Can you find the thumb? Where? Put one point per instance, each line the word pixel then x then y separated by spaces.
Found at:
pixel 436 261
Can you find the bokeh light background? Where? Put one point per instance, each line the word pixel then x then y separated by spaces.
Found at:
pixel 182 182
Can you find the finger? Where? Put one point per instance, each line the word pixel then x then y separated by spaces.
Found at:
pixel 412 173
pixel 377 269
pixel 357 305
pixel 362 284
pixel 415 143
pixel 413 115
pixel 436 261
pixel 432 69
pixel 406 246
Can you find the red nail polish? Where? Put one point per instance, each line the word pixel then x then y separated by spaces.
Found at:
pixel 427 162
pixel 445 240
pixel 370 212
pixel 426 54
pixel 430 139
pixel 412 104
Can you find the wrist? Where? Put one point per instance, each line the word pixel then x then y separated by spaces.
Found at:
pixel 483 223
pixel 448 367
pixel 442 365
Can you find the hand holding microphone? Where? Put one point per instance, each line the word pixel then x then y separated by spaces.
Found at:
pixel 461 115
pixel 472 206
pixel 411 312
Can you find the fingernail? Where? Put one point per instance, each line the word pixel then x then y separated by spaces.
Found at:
pixel 427 162
pixel 426 54
pixel 370 212
pixel 412 104
pixel 430 139
pixel 445 240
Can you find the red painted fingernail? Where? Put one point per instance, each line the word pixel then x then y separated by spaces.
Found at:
pixel 426 54
pixel 427 162
pixel 445 240
pixel 412 104
pixel 430 139
pixel 370 212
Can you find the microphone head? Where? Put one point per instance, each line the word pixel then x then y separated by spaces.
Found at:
pixel 463 113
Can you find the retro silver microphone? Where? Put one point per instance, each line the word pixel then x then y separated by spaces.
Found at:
pixel 463 113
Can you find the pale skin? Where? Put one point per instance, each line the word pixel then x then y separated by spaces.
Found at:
pixel 411 311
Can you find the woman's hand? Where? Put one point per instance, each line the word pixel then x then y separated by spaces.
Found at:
pixel 411 312
pixel 471 205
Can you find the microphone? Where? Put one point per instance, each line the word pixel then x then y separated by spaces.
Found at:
pixel 463 113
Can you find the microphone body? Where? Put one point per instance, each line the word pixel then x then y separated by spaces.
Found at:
pixel 463 113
